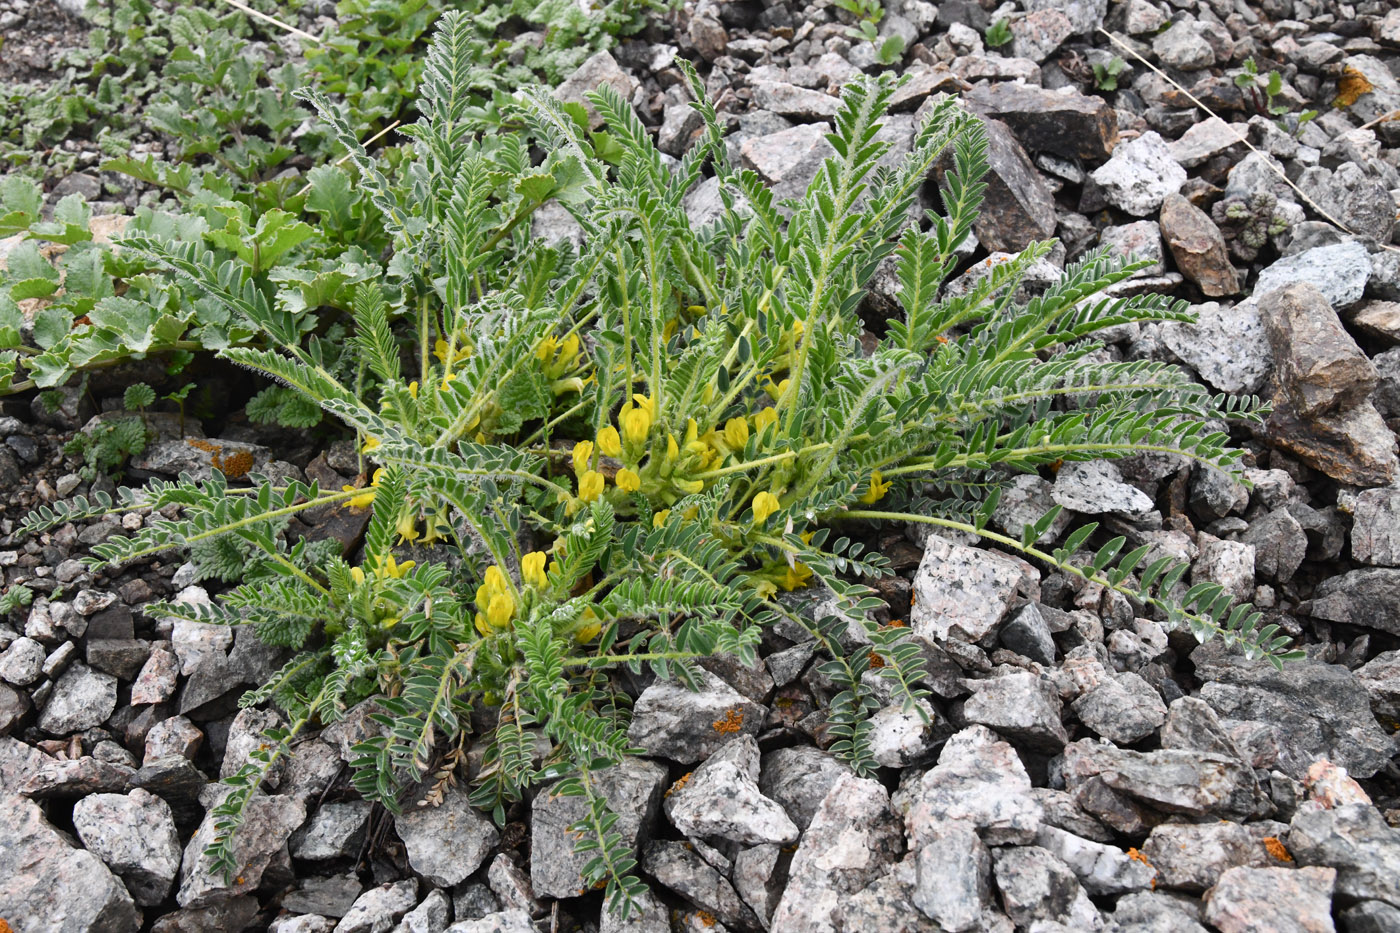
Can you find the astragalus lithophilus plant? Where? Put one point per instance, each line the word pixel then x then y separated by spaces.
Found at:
pixel 623 455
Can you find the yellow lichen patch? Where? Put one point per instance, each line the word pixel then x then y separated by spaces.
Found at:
pixel 1276 849
pixel 1351 88
pixel 876 662
pixel 732 722
pixel 234 465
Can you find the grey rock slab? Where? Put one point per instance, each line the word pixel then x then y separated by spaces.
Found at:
pixel 1381 678
pixel 1279 543
pixel 81 699
pixel 1276 900
pixel 330 896
pixel 200 457
pixel 759 875
pixel 1326 709
pixel 633 791
pixel 650 916
pixel 1037 886
pixel 379 909
pixel 789 159
pixel 1356 841
pixel 1371 916
pixel 1139 240
pixel 134 834
pixel 503 921
pixel 1183 47
pixel 953 876
pixel 1022 706
pixel 679 867
pixel 1354 446
pixel 1024 501
pixel 789 100
pixel 1028 634
pixel 1096 487
pixel 1196 784
pixel 1153 912
pixel 979 779
pixel 335 830
pixel 1207 139
pixel 960 592
pixel 75 777
pixel 1017 208
pixel 430 916
pixel 1192 724
pixel 1317 362
pixel 1375 527
pixel 886 904
pixel 721 799
pixel 260 840
pixel 598 69
pixel 1226 345
pixel 1140 175
pixel 900 737
pixel 1084 16
pixel 448 842
pixel 49 885
pixel 1037 35
pixel 1102 869
pixel 1193 856
pixel 1339 272
pixel 1059 810
pixel 1063 121
pixel 1123 709
pixel 23 662
pixel 852 840
pixel 691 725
pixel 799 778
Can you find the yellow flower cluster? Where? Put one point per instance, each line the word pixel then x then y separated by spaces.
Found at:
pixel 365 499
pixel 495 602
pixel 878 487
pixel 386 569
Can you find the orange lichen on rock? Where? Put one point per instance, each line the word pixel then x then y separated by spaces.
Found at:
pixel 876 662
pixel 1351 87
pixel 732 722
pixel 5 927
pixel 681 781
pixel 1137 856
pixel 235 465
pixel 1275 848
pixel 706 918
pixel 201 444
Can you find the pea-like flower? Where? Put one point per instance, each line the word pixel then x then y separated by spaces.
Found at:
pixel 628 481
pixel 590 485
pixel 583 457
pixel 532 569
pixel 494 601
pixel 736 433
pixel 636 424
pixel 878 487
pixel 609 442
pixel 366 498
pixel 764 505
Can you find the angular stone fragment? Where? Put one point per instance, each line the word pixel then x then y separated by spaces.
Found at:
pixel 953 876
pixel 1339 272
pixel 1037 35
pixel 1065 122
pixel 961 592
pixel 1198 247
pixel 1198 784
pixel 1140 175
pixel 788 100
pixel 1379 319
pixel 1356 841
pixel 852 839
pixel 1021 706
pixel 335 830
pixel 679 867
pixel 691 725
pixel 1319 365
pixel 1276 900
pixel 1205 140
pixel 1095 487
pixel 379 907
pixel 721 799
pixel 81 699
pixel 799 778
pixel 788 160
pixel 1036 887
pixel 1326 710
pixel 262 837
pixel 598 69
pixel 1354 447
pixel 1123 709
pixel 448 842
pixel 978 779
pixel 1279 543
pixel 1375 528
pixel 1193 856
pixel 49 886
pixel 1381 678
pixel 1226 346
pixel 1017 208
pixel 633 790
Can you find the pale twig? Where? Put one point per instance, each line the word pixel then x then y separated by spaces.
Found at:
pixel 1271 163
pixel 341 160
pixel 1383 118
pixel 236 4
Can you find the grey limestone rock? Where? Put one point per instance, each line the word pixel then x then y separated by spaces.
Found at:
pixel 448 842
pixel 261 839
pixel 1022 706
pixel 691 725
pixel 953 876
pixel 979 779
pixel 1102 869
pixel 1193 856
pixel 379 909
pixel 1375 527
pixel 721 799
pixel 1095 487
pixel 1339 273
pixel 599 68
pixel 335 830
pixel 1272 900
pixel 1037 886
pixel 962 593
pixel 1140 175
pixel 799 778
pixel 1355 841
pixel 852 839
pixel 1227 345
pixel 1123 708
pixel 81 699
pixel 49 885
pixel 1195 784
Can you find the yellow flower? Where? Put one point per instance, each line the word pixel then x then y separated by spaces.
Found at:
pixel 499 610
pixel 659 518
pixel 609 442
pixel 589 626
pixel 636 424
pixel 628 481
pixel 645 403
pixel 583 457
pixel 689 486
pixel 673 450
pixel 413 388
pixel 446 380
pixel 532 569
pixel 365 499
pixel 546 349
pixel 371 443
pixel 764 418
pixel 878 487
pixel 358 575
pixel 797 575
pixel 392 569
pixel 775 390
pixel 405 527
pixel 736 433
pixel 590 485
pixel 764 505
pixel 440 349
